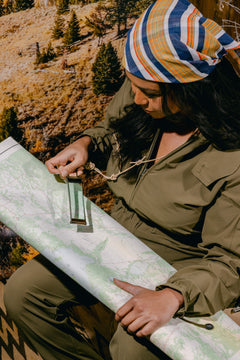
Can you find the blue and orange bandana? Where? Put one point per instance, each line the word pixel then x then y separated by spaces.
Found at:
pixel 173 42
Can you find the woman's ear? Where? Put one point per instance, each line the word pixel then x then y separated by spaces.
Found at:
pixel 172 104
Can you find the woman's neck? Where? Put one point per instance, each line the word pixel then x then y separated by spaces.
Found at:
pixel 170 141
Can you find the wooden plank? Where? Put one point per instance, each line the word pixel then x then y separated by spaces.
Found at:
pixel 225 12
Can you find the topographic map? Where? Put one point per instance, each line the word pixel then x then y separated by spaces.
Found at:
pixel 35 205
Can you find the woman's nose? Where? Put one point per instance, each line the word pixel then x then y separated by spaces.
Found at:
pixel 140 98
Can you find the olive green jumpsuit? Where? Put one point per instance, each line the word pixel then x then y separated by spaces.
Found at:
pixel 185 207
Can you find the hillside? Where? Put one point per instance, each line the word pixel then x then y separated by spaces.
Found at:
pixel 54 105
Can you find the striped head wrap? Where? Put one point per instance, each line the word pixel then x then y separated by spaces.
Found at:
pixel 173 42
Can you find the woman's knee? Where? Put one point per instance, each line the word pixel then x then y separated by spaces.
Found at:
pixel 33 285
pixel 17 289
pixel 41 288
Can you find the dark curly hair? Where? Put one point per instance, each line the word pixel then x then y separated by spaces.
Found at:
pixel 212 105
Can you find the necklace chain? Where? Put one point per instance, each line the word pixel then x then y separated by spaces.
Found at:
pixel 114 177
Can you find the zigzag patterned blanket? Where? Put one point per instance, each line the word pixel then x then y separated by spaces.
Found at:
pixel 12 344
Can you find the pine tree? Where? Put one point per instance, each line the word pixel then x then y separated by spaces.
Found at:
pixel 50 53
pixel 107 73
pixel 23 4
pixel 58 29
pixel 62 6
pixel 8 7
pixel 38 54
pixel 73 30
pixel 9 124
pixel 1 8
pixel 46 55
pixel 97 22
pixel 16 257
pixel 140 7
pixel 119 11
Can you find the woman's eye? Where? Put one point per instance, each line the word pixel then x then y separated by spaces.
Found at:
pixel 152 96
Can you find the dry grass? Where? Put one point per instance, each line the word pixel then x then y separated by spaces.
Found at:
pixel 54 105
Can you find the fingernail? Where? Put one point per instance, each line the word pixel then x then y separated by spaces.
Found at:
pixel 64 173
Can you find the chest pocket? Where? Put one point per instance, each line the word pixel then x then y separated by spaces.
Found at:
pixel 178 196
pixel 216 166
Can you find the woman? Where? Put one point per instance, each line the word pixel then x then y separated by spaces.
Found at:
pixel 181 197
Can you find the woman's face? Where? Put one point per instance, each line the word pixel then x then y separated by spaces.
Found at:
pixel 148 96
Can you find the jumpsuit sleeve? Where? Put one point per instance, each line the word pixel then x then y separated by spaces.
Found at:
pixel 213 283
pixel 102 139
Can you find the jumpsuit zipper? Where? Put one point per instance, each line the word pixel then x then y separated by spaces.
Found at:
pixel 144 171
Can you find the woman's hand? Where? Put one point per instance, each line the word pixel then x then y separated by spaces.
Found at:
pixel 70 161
pixel 147 310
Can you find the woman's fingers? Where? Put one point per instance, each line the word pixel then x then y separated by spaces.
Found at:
pixel 71 159
pixel 130 288
pixel 123 311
